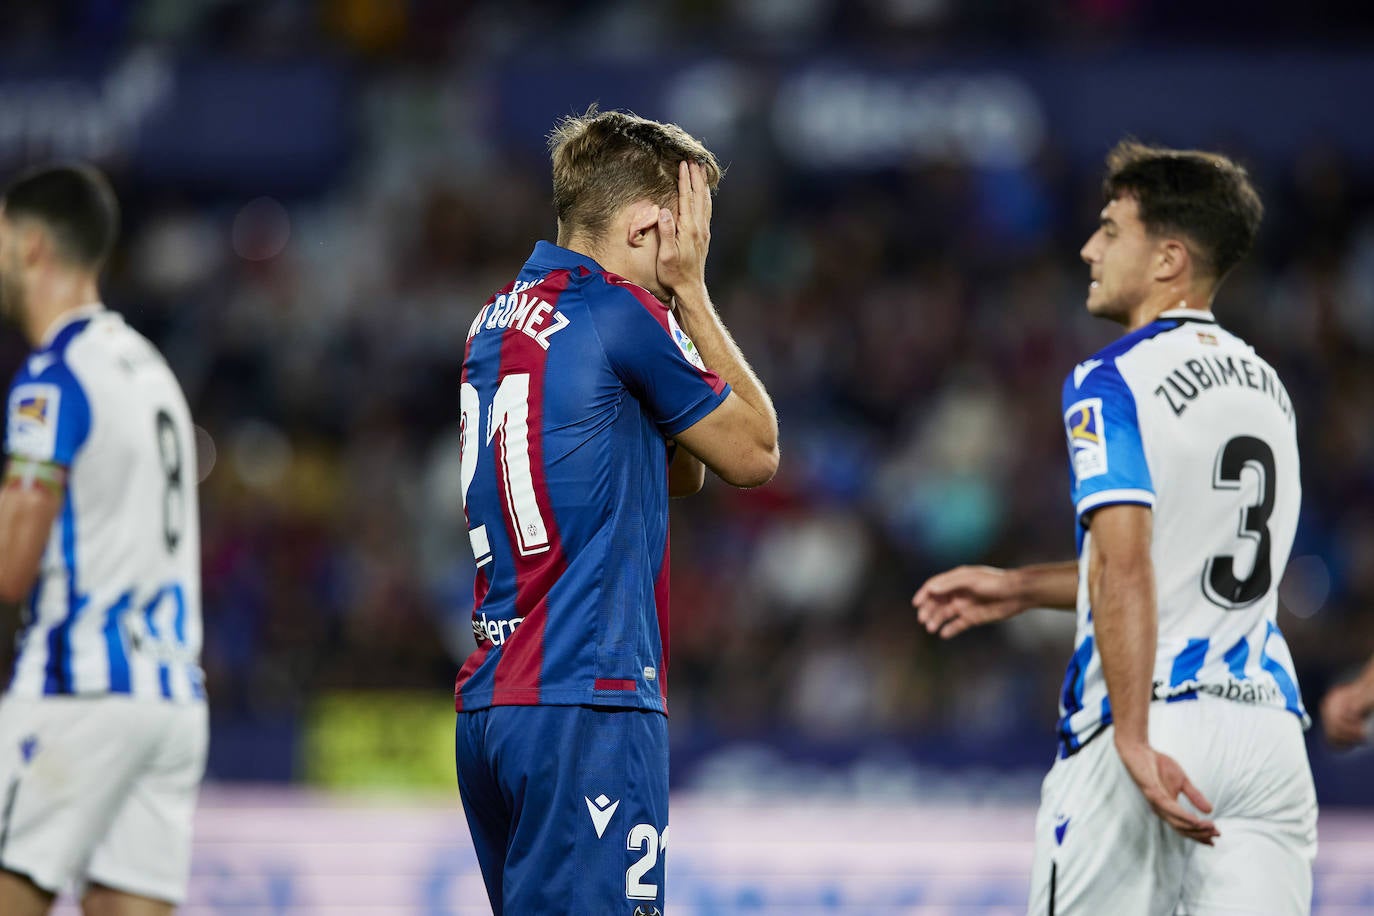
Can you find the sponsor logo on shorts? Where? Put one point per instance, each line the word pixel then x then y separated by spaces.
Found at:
pixel 1253 692
pixel 646 910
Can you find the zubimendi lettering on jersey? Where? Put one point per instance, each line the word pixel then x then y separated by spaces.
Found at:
pixel 1196 377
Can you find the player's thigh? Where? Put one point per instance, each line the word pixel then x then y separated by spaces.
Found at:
pixel 1099 848
pixel 589 832
pixel 485 806
pixel 104 901
pixel 1266 810
pixel 146 852
pixel 65 766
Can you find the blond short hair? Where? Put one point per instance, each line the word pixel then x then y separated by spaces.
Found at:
pixel 604 160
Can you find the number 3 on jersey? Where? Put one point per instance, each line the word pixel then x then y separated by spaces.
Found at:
pixel 1221 582
pixel 508 424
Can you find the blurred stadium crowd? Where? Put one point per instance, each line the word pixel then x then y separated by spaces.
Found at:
pixel 914 325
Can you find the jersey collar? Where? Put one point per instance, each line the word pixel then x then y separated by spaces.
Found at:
pixel 1188 315
pixel 67 319
pixel 547 254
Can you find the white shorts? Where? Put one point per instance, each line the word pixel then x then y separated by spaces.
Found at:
pixel 1100 849
pixel 100 790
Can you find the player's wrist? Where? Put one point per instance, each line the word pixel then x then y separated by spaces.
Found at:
pixel 691 295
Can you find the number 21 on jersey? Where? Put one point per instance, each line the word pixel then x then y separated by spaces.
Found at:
pixel 507 423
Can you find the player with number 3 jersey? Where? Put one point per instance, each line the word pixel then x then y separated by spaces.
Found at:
pixel 1182 783
pixel 103 729
pixel 596 385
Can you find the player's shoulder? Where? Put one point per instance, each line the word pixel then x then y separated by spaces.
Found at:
pixel 1111 366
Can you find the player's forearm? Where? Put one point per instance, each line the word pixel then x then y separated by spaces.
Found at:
pixel 722 356
pixel 1049 585
pixel 1122 593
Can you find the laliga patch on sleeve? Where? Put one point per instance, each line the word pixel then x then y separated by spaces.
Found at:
pixel 32 428
pixel 1087 438
pixel 684 343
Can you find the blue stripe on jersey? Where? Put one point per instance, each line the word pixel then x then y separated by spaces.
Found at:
pixel 114 644
pixel 1186 666
pixel 34 597
pixel 1072 694
pixel 164 674
pixel 1289 690
pixel 59 674
pixel 1236 658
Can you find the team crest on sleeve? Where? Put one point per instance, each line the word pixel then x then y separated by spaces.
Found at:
pixel 684 343
pixel 1087 438
pixel 32 428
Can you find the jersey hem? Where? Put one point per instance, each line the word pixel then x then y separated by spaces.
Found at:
pixel 525 696
pixel 1065 736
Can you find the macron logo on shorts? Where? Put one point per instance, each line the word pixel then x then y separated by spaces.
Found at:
pixel 601 811
pixel 1061 827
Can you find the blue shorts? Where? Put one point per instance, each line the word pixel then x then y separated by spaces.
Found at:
pixel 568 807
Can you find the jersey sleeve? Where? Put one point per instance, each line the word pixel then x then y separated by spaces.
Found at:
pixel 1106 454
pixel 48 417
pixel 656 360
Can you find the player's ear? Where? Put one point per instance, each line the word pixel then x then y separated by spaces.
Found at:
pixel 643 221
pixel 30 241
pixel 1172 258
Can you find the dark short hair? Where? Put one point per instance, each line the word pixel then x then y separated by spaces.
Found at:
pixel 75 203
pixel 1204 197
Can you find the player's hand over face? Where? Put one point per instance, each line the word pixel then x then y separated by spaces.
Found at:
pixel 1344 711
pixel 953 601
pixel 685 236
pixel 1162 780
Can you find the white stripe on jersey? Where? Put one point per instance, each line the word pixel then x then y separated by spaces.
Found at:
pixel 1185 417
pixel 117 605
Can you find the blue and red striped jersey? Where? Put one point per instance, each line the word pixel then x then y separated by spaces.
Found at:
pixel 573 379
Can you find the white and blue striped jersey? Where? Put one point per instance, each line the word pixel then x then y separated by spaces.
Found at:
pixel 116 608
pixel 1184 417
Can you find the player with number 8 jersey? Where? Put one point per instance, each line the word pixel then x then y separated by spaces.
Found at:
pixel 103 730
pixel 585 405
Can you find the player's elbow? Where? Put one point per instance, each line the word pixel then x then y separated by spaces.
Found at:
pixel 754 468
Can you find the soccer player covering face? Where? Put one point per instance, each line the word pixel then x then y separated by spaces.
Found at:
pixel 596 385
pixel 1182 783
pixel 103 728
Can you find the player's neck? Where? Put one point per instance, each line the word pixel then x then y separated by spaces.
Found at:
pixel 55 297
pixel 616 261
pixel 1168 300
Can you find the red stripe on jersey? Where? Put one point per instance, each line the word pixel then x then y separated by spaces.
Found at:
pixel 608 683
pixel 517 677
pixel 659 311
pixel 482 582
